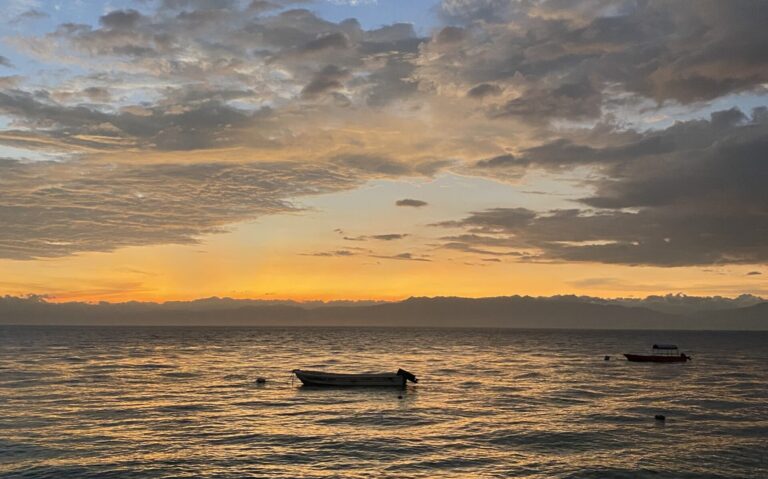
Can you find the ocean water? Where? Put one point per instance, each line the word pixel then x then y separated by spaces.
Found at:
pixel 91 402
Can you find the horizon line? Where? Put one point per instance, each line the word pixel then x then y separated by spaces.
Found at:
pixel 52 299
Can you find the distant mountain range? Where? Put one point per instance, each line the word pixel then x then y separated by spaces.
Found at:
pixel 577 312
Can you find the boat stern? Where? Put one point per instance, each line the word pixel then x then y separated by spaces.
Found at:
pixel 408 376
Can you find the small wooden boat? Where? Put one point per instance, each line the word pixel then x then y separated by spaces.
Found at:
pixel 322 378
pixel 660 353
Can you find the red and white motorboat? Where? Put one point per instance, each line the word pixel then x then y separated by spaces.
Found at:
pixel 660 353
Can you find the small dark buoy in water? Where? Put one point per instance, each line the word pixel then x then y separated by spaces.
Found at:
pixel 400 397
pixel 606 358
pixel 660 417
pixel 261 380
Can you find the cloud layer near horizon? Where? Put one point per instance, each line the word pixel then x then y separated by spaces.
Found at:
pixel 178 119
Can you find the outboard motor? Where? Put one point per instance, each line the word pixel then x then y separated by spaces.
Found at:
pixel 408 376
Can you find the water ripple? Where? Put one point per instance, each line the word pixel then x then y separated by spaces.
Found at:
pixel 184 403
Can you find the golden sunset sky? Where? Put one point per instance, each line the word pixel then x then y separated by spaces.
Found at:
pixel 178 149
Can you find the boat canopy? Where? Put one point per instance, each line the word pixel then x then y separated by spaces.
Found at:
pixel 664 346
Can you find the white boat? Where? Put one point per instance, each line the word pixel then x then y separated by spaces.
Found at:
pixel 322 378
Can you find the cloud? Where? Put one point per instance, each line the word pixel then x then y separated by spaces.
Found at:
pixel 500 161
pixel 389 237
pixel 96 93
pixel 234 108
pixel 51 209
pixel 30 15
pixel 483 90
pixel 185 42
pixel 690 194
pixel 326 80
pixel 450 35
pixel 388 167
pixel 410 202
pixel 380 237
pixel 331 40
pixel 754 273
pixel 121 19
pixel 259 6
pixel 5 62
pixel 467 247
pixel 11 81
pixel 206 123
pixel 403 257
pixel 569 60
pixel 339 252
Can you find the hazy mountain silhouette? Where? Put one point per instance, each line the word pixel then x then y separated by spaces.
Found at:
pixel 500 312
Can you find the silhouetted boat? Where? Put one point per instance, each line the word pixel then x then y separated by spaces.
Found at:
pixel 322 378
pixel 661 353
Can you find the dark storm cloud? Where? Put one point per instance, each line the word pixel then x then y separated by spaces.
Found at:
pixel 691 194
pixel 648 237
pixel 51 209
pixel 411 202
pixel 697 188
pixel 495 220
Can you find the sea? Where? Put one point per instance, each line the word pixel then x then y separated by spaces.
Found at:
pixel 176 402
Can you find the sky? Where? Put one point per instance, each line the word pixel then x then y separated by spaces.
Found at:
pixel 380 149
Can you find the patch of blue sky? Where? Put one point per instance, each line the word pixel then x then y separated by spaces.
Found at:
pixel 18 24
pixel 13 153
pixel 377 13
pixel 647 115
pixel 653 117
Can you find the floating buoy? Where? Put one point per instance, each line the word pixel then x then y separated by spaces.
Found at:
pixel 660 417
pixel 400 397
pixel 607 358
pixel 261 380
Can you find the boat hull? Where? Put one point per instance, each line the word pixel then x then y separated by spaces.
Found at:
pixel 318 378
pixel 651 358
